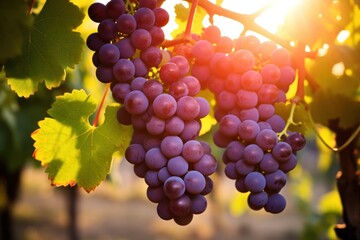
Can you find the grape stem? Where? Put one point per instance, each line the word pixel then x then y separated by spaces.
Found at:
pixel 290 121
pixel 190 18
pixel 335 149
pixel 97 116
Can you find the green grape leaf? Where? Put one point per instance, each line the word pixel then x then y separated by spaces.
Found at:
pixel 50 47
pixel 299 117
pixel 14 21
pixel 74 151
pixel 337 71
pixel 327 106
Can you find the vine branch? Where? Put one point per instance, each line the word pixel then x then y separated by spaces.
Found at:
pixel 96 120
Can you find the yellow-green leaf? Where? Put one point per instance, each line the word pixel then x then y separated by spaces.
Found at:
pixel 74 151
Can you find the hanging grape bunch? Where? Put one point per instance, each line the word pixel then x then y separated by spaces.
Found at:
pixel 158 96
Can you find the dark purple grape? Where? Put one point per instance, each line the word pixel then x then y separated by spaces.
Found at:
pixel 97 12
pixel 126 23
pixel 154 159
pixel 145 18
pixel 115 8
pixel 155 194
pixel 177 166
pixel 296 141
pixel 180 206
pixel 255 182
pixel 107 30
pixel 282 152
pixel 198 204
pixel 174 187
pixel 275 181
pixel 135 153
pixel 276 203
pixel 257 201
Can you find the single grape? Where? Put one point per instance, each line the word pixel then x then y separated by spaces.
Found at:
pixel 177 166
pixel 243 168
pixel 229 125
pixel 192 151
pixel 251 80
pixel 276 203
pixel 248 130
pixel 154 159
pixel 275 181
pixel 253 154
pixel 266 139
pixel 136 102
pixel 194 182
pixel 174 187
pixel 198 204
pixel 109 54
pixel 268 164
pixel 255 182
pixel 282 152
pixel 257 201
pixel 187 108
pixel 126 23
pixel 171 146
pixel 124 70
pixel 206 165
pixel 202 51
pixel 164 106
pixel 234 151
pixel 135 153
pixel 180 206
pixel 145 18
pixel 155 194
pixel 97 12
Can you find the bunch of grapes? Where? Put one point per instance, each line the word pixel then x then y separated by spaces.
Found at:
pixel 247 78
pixel 158 92
pixel 159 100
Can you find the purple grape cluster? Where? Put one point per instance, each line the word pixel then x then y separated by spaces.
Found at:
pixel 247 78
pixel 166 119
pixel 159 102
pixel 126 45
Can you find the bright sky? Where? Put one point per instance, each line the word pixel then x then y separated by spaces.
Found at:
pixel 270 19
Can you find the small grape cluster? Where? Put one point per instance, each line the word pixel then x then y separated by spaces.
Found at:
pixel 248 78
pixel 126 45
pixel 158 98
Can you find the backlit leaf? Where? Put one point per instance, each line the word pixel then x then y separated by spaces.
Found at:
pixel 74 151
pixel 49 48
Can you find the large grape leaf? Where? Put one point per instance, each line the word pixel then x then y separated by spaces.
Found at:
pixel 327 106
pixel 74 151
pixel 14 20
pixel 50 47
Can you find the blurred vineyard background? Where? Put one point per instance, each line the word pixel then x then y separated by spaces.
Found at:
pixel 118 208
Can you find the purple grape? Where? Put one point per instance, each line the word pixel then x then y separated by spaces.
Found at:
pixel 161 17
pixel 187 108
pixel 257 201
pixel 266 139
pixel 152 88
pixel 249 114
pixel 275 181
pixel 169 73
pixel 163 210
pixel 246 99
pixel 289 164
pixel 270 73
pixel 124 70
pixel 255 182
pixel 164 106
pixel 120 91
pixel 138 83
pixel 163 174
pixel 123 116
pixel 251 80
pixel 206 165
pixel 229 125
pixel 97 12
pixel 126 48
pixel 182 63
pixel 240 185
pixel 171 146
pixel 94 42
pixel 155 194
pixel 296 141
pixel 157 35
pixel 253 154
pixel 151 56
pixel 154 159
pixel 140 169
pixel 230 170
pixel 192 83
pixel 234 151
pixel 276 122
pixel 276 203
pixel 194 182
pixel 151 179
pixel 136 102
pixel 145 18
pixel 198 204
pixel 178 89
pixel 243 168
pixel 191 130
pixel 141 69
pixel 192 151
pixel 109 54
pixel 126 23
pixel 141 39
pixel 180 206
pixel 107 30
pixel 105 74
pixel 204 107
pixel 248 130
pixel 266 111
pixel 177 166
pixel 209 184
pixel 115 8
pixel 282 152
pixel 268 164
pixel 202 51
pixel 174 125
pixel 135 153
pixel 174 187
pixel 155 126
